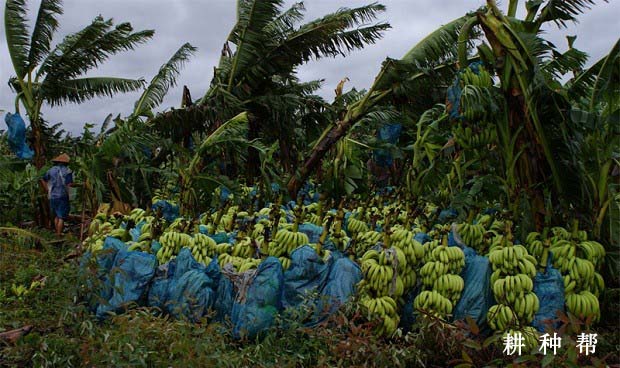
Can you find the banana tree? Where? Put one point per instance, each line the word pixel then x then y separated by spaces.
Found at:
pixel 595 115
pixel 257 72
pixel 411 80
pixel 115 164
pixel 231 134
pixel 533 102
pixel 53 75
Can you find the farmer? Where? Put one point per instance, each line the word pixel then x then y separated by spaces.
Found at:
pixel 57 181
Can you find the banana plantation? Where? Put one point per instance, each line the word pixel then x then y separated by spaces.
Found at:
pixel 461 210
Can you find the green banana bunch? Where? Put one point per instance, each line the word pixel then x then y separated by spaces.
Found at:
pixel 171 243
pixel 501 317
pixel 592 251
pixel 534 244
pixel 450 286
pixel 286 262
pixel 367 240
pixel 428 248
pixel 583 304
pixel 501 226
pixel 451 256
pixel 433 303
pixel 223 248
pixel 355 226
pixel 482 79
pixel 286 241
pixel 510 259
pixel 431 271
pixel 383 271
pixel 403 240
pixel 203 248
pixel 244 247
pixel 137 215
pixel 581 281
pixel 240 264
pixel 472 235
pixel 441 273
pixel 512 283
pixel 384 310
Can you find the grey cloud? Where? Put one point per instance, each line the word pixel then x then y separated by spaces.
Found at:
pixel 206 23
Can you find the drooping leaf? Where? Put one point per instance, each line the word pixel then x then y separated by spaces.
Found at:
pixel 16 30
pixel 44 28
pixel 82 89
pixel 163 81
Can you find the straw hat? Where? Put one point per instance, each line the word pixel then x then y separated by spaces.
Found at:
pixel 63 158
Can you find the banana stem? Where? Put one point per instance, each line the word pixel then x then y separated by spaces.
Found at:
pixel 319 246
pixel 575 231
pixel 545 256
pixel 298 216
pixel 264 247
pixel 386 232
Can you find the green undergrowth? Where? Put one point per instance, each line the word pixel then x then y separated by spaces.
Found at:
pixel 66 334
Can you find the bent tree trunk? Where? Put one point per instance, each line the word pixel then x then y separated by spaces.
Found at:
pixel 337 131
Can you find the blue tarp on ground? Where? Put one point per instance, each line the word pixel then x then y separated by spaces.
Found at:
pixel 255 310
pixel 17 136
pixel 549 288
pixel 303 282
pixel 477 296
pixel 123 277
pixel 225 299
pixel 340 286
pixel 184 287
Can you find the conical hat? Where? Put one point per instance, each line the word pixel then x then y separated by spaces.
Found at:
pixel 64 158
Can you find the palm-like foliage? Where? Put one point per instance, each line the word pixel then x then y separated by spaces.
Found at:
pixel 55 76
pixel 157 89
pixel 256 71
pixel 413 81
pixel 229 135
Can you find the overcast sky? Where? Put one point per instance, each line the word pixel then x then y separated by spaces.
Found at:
pixel 206 23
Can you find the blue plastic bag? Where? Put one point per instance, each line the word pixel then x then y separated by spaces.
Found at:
pixel 306 276
pixel 389 133
pixel 128 280
pixel 447 215
pixel 99 290
pixel 255 310
pixel 313 231
pixel 549 288
pixel 477 296
pixel 169 211
pixel 422 237
pixel 341 284
pixel 225 299
pixel 185 287
pixel 136 231
pixel 220 238
pixel 17 136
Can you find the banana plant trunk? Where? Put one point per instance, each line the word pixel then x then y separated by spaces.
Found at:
pixel 253 160
pixel 531 170
pixel 43 213
pixel 318 153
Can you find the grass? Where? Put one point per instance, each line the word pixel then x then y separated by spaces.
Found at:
pixel 66 334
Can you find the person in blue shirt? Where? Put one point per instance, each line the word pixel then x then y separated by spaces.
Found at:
pixel 57 181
